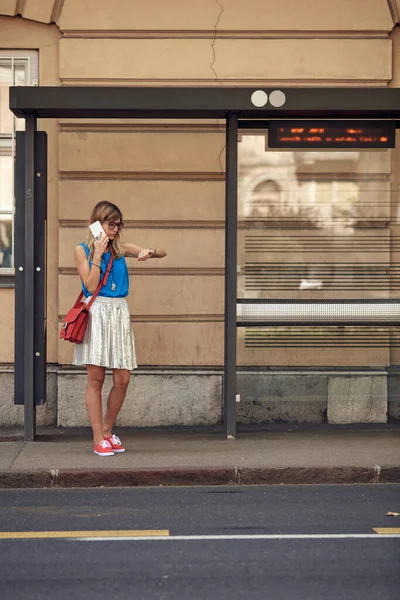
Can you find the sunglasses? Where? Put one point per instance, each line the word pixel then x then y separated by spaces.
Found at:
pixel 111 225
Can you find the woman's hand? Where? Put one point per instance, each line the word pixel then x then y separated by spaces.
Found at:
pixel 100 245
pixel 146 253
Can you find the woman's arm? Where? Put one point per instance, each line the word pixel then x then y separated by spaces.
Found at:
pixel 90 276
pixel 134 251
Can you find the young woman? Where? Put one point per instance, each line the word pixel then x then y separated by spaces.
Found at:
pixel 108 341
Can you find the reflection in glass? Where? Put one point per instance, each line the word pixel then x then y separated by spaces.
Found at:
pixel 6 77
pixel 21 66
pixel 6 183
pixel 6 241
pixel 265 200
pixel 314 224
pixel 6 116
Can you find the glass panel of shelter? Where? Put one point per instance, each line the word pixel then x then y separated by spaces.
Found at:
pixel 315 225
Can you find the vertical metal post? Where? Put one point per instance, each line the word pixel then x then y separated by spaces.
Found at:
pixel 19 261
pixel 230 274
pixel 29 266
pixel 40 295
pixel 39 298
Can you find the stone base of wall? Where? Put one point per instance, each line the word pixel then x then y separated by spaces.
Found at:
pixel 282 397
pixel 165 397
pixel 12 415
pixel 357 399
pixel 154 398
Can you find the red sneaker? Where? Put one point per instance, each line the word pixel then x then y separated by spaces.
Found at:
pixel 115 443
pixel 104 449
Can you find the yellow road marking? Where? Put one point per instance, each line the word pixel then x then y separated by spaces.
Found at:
pixel 14 535
pixel 387 530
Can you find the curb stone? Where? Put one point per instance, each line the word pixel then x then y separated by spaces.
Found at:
pixel 389 475
pixel 307 475
pixel 146 477
pixel 72 478
pixel 26 479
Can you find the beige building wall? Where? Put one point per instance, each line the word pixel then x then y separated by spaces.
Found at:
pixel 168 177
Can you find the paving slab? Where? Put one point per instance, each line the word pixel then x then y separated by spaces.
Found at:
pixel 9 452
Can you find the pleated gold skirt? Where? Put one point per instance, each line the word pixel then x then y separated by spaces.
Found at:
pixel 108 341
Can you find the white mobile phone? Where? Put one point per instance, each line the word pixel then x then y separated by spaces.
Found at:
pixel 97 229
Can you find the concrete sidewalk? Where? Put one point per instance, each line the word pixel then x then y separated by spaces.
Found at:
pixel 272 454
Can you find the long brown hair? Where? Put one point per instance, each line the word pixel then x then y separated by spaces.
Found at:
pixel 106 211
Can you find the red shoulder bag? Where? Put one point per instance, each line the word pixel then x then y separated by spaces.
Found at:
pixel 76 319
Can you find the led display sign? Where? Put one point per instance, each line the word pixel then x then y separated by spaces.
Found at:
pixel 331 134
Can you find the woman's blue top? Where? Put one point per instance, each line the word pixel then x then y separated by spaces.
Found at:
pixel 118 280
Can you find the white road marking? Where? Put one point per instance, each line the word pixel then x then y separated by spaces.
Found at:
pixel 290 536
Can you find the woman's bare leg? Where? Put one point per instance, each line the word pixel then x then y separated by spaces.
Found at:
pixel 116 399
pixel 94 386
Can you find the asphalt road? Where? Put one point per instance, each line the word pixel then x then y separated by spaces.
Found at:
pixel 204 543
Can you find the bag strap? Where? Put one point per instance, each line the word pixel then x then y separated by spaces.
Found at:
pixel 101 283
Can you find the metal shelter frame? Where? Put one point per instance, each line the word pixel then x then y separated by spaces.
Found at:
pixel 230 104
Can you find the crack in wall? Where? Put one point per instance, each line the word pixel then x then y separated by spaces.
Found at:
pixel 221 153
pixel 214 40
pixel 215 73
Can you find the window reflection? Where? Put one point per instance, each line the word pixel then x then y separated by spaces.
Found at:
pixel 314 224
pixel 6 242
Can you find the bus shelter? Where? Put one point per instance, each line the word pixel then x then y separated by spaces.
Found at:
pixel 373 113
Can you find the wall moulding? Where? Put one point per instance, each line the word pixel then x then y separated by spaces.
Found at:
pixel 152 224
pixel 172 318
pixel 164 127
pixel 142 176
pixel 164 271
pixel 211 34
pixel 320 82
pixel 177 318
pixel 142 122
pixel 242 224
